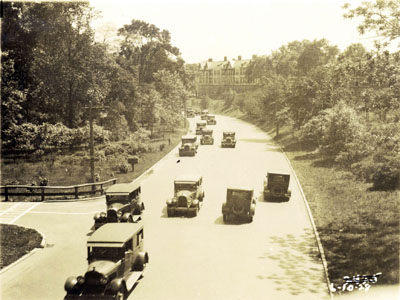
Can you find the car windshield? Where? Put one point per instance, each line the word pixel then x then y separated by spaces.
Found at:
pixel 112 253
pixel 117 198
pixel 278 178
pixel 229 135
pixel 243 195
pixel 185 187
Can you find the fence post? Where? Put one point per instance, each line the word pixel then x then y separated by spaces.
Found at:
pixel 76 192
pixel 6 193
pixel 42 190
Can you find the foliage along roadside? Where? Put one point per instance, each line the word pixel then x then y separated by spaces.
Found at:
pixel 359 229
pixel 55 74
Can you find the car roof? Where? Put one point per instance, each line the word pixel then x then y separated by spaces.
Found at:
pixel 189 136
pixel 188 177
pixel 207 130
pixel 229 132
pixel 205 110
pixel 202 122
pixel 278 172
pixel 241 188
pixel 123 188
pixel 113 233
pixel 210 115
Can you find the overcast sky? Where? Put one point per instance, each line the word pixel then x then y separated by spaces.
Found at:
pixel 216 28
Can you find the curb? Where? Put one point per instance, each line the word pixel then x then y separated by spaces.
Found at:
pixel 319 244
pixel 22 258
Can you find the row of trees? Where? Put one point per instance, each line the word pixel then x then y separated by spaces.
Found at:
pixel 347 104
pixel 55 72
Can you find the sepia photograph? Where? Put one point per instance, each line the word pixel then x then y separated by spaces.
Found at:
pixel 200 150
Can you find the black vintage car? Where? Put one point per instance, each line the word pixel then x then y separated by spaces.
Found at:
pixel 207 137
pixel 123 205
pixel 228 139
pixel 276 186
pixel 116 262
pixel 240 204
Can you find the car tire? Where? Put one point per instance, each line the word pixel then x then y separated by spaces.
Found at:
pixel 225 218
pixel 170 212
pixel 121 295
pixel 250 219
pixel 196 211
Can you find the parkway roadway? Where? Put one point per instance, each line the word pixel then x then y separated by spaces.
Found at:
pixel 274 257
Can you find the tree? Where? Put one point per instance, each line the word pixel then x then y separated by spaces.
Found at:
pixel 145 49
pixel 382 16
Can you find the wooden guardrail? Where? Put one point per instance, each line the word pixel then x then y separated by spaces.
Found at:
pixel 43 191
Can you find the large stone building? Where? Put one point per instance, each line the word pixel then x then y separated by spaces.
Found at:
pixel 216 77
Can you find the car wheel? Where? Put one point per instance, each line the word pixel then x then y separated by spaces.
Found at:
pixel 250 219
pixel 170 212
pixel 196 211
pixel 121 295
pixel 225 217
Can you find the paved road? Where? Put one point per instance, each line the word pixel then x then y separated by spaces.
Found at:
pixel 274 257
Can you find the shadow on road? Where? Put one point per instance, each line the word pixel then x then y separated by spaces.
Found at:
pixel 300 263
pixel 231 221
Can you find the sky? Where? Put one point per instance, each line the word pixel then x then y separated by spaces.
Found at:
pixel 204 29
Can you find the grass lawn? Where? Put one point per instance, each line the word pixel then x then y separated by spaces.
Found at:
pixel 359 229
pixel 15 242
pixel 60 174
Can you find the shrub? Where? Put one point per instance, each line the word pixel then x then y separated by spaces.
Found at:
pixel 124 167
pixel 340 134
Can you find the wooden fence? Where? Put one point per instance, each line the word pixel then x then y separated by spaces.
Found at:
pixel 45 191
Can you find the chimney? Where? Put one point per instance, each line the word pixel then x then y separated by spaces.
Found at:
pixel 210 59
pixel 239 57
pixel 254 56
pixel 225 58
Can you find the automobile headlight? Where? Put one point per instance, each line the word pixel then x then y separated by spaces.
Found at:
pixel 103 214
pixel 103 280
pixel 119 214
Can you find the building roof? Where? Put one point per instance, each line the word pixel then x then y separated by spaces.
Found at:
pixel 241 63
pixel 188 177
pixel 123 188
pixel 114 233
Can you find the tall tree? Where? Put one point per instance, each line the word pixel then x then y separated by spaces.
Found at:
pixel 381 16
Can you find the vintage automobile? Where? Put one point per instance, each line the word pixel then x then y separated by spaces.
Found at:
pixel 200 126
pixel 116 262
pixel 276 186
pixel 240 203
pixel 190 113
pixel 123 205
pixel 189 145
pixel 188 195
pixel 207 137
pixel 211 120
pixel 204 114
pixel 228 139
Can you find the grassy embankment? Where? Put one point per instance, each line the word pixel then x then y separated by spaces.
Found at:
pixel 359 229
pixel 59 174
